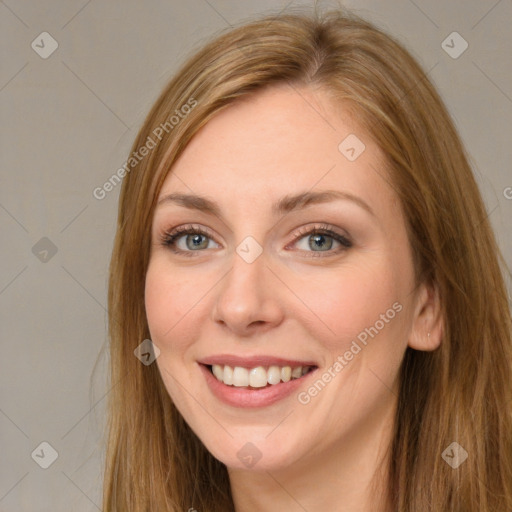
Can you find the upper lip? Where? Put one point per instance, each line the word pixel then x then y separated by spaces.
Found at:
pixel 253 361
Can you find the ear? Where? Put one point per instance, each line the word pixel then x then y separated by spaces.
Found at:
pixel 427 325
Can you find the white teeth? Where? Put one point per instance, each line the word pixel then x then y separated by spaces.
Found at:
pixel 228 375
pixel 257 377
pixel 274 375
pixel 217 371
pixel 240 377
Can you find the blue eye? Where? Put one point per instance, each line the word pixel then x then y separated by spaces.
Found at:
pixel 319 239
pixel 194 240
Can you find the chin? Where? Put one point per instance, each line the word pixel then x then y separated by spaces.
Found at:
pixel 253 453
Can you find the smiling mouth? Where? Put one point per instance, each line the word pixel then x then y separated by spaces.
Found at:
pixel 258 377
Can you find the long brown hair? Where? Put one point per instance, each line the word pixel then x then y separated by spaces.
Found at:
pixel 460 392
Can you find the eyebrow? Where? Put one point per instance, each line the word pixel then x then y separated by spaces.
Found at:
pixel 285 205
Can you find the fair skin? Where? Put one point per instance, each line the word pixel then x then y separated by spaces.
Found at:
pixel 320 455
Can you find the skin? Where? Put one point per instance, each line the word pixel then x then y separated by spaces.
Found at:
pixel 321 455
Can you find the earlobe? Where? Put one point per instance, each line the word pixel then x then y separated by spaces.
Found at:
pixel 427 326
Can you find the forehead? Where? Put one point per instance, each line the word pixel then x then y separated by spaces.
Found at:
pixel 280 141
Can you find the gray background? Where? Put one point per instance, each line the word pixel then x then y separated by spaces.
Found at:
pixel 68 124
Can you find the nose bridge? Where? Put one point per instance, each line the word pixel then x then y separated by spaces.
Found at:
pixel 246 295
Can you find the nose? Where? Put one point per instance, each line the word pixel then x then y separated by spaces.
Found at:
pixel 248 298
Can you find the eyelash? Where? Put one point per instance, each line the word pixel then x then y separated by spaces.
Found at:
pixel 169 239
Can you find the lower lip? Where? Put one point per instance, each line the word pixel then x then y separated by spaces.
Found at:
pixel 242 397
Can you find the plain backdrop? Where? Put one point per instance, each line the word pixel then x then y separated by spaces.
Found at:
pixel 69 116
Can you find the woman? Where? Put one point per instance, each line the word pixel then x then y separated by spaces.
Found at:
pixel 305 268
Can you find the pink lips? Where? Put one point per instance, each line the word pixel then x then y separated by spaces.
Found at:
pixel 253 361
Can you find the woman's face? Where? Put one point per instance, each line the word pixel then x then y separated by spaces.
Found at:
pixel 303 261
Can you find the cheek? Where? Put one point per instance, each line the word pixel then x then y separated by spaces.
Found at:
pixel 348 301
pixel 168 300
pixel 158 307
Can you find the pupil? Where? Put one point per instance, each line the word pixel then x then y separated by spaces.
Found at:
pixel 196 240
pixel 319 240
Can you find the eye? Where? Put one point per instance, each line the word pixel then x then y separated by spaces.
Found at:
pixel 189 239
pixel 320 239
pixel 194 239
